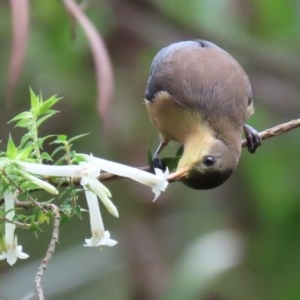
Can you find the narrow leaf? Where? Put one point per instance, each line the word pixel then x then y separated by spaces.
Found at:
pixel 11 148
pixel 21 116
pixel 46 156
pixel 25 153
pixel 45 117
pixel 56 150
pixel 74 138
pixel 25 138
pixel 34 101
pixel 47 104
pixel 24 123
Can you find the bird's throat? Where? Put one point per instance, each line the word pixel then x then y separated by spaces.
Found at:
pixel 195 146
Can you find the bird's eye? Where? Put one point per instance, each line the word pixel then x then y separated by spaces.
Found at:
pixel 209 161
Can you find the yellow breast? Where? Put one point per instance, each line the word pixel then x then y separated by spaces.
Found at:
pixel 173 121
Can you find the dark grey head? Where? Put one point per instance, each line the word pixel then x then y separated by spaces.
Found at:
pixel 205 181
pixel 212 167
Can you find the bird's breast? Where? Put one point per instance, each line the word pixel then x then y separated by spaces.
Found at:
pixel 173 121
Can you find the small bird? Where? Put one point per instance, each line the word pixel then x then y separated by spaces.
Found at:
pixel 198 95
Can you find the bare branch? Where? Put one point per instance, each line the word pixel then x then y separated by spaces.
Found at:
pixel 18 224
pixel 265 134
pixel 277 130
pixel 50 250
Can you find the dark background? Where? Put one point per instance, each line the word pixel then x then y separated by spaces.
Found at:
pixel 165 249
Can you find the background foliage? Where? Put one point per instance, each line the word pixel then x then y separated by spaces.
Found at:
pixel 261 202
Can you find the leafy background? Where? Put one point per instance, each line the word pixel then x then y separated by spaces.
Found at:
pixel 259 205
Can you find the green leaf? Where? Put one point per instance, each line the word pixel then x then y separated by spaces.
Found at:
pixel 43 139
pixel 23 115
pixel 56 150
pixel 78 212
pixel 64 218
pixel 35 228
pixel 73 155
pixel 45 117
pixel 25 138
pixel 44 218
pixel 47 104
pixel 34 101
pixel 74 138
pixel 46 156
pixel 40 142
pixel 24 153
pixel 25 123
pixel 77 158
pixel 60 138
pixel 3 186
pixel 11 150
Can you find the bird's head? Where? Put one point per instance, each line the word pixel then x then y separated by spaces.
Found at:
pixel 210 165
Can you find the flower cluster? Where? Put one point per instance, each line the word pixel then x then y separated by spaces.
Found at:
pixel 88 171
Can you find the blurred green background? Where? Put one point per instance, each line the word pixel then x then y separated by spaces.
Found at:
pixel 238 241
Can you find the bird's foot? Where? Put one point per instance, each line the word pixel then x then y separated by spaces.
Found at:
pixel 157 163
pixel 252 137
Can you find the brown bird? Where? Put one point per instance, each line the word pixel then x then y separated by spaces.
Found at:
pixel 199 96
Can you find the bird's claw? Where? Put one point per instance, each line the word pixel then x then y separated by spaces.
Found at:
pixel 253 138
pixel 157 163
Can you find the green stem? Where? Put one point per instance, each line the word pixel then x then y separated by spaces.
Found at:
pixel 34 131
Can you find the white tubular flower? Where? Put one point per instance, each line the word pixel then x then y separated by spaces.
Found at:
pixel 161 183
pixel 86 171
pixel 40 183
pixel 12 250
pixel 100 237
pixel 74 171
pixel 93 184
pixel 157 182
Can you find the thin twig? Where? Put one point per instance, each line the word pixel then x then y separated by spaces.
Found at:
pixel 18 224
pixel 277 130
pixel 50 250
pixel 265 134
pixel 20 190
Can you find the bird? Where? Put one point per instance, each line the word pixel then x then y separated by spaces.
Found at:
pixel 198 95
